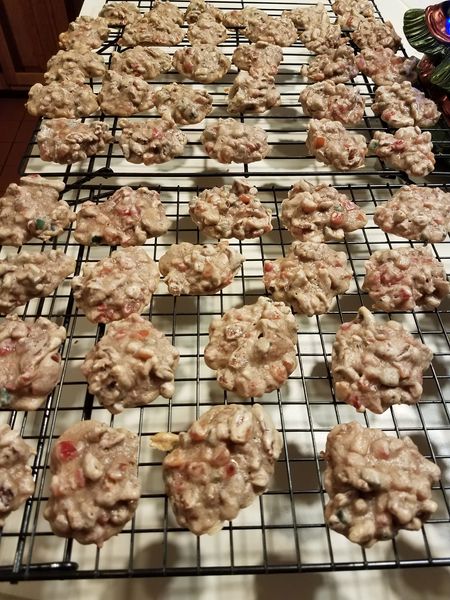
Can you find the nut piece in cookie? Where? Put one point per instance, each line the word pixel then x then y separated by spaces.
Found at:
pixel 94 490
pixel 405 279
pixel 222 463
pixel 131 365
pixel 254 92
pixel 377 364
pixel 319 213
pixel 16 480
pixel 309 278
pixel 407 150
pixel 207 30
pixel 30 363
pixel 205 63
pixel 231 211
pixel 61 99
pixel 66 141
pixel 384 67
pixel 183 104
pixel 372 33
pixel 338 65
pixel 140 61
pixel 127 218
pixel 119 13
pixel 333 145
pixel 377 484
pixel 401 105
pixel 416 213
pixel 328 100
pixel 199 269
pixel 153 141
pixel 116 286
pixel 83 33
pixel 228 140
pixel 31 275
pixel 124 95
pixel 253 348
pixel 33 209
pixel 258 58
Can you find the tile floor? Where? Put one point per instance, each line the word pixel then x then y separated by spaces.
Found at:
pixel 16 129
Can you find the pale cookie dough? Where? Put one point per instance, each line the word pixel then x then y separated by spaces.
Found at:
pixel 205 63
pixel 30 362
pixel 254 92
pixel 151 142
pixel 198 8
pixel 260 57
pixel 124 95
pixel 16 481
pixel 416 213
pixel 329 100
pixel 61 99
pixel 241 18
pixel 119 13
pixel 384 67
pixel 405 279
pixel 401 105
pixel 222 463
pixel 377 484
pixel 308 278
pixel 183 104
pixel 150 30
pixel 83 33
pixel 352 12
pixel 321 40
pixel 228 140
pixel 131 365
pixel 127 218
pixel 66 141
pixel 31 275
pixel 408 150
pixel 253 348
pixel 333 145
pixel 140 61
pixel 206 30
pixel 372 33
pixel 67 62
pixel 338 65
pixel 319 213
pixel 376 365
pixel 94 490
pixel 195 269
pixel 116 286
pixel 281 32
pixel 231 211
pixel 307 17
pixel 33 209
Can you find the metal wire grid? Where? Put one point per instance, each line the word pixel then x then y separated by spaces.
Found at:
pixel 284 530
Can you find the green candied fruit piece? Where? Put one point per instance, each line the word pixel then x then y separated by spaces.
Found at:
pixel 97 239
pixel 40 224
pixel 4 397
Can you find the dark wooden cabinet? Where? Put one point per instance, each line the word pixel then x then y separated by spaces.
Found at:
pixel 29 32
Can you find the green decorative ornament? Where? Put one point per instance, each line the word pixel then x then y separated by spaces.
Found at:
pixel 428 31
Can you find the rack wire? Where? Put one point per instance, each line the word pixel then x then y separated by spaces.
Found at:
pixel 284 531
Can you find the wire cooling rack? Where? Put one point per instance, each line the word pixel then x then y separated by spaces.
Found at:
pixel 284 530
